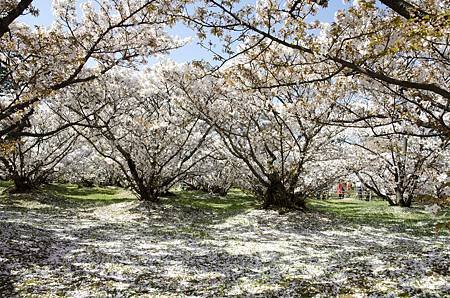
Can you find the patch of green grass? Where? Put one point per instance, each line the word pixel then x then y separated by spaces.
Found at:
pixel 235 201
pixel 375 213
pixel 69 196
pixel 6 183
pixel 99 194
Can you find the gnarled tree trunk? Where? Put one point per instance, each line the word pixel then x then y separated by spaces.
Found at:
pixel 278 196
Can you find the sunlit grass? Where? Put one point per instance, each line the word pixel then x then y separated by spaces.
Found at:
pixel 377 213
pixel 6 183
pixel 236 200
pixel 355 212
pixel 68 195
pixel 96 193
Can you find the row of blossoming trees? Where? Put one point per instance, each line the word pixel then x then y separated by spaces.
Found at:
pixel 290 106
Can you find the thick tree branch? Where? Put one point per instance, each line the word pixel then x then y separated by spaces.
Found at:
pixel 12 15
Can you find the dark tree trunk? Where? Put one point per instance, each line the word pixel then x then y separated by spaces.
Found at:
pixel 408 200
pixel 278 196
pixel 399 197
pixel 391 203
pixel 218 190
pixel 404 203
pixel 22 184
pixel 148 194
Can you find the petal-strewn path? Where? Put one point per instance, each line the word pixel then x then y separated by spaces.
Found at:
pixel 126 249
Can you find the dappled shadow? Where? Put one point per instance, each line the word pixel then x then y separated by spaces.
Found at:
pixel 26 247
pixel 235 200
pixel 172 248
pixel 196 209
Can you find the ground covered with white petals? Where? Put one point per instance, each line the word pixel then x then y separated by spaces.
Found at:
pixel 53 247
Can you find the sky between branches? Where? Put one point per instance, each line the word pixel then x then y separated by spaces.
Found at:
pixel 191 51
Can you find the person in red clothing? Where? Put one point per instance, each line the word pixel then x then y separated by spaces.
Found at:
pixel 340 190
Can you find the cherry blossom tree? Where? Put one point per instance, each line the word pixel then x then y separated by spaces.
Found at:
pixel 140 126
pixel 397 168
pixel 84 166
pixel 34 161
pixel 399 49
pixel 78 47
pixel 437 177
pixel 278 132
pixel 216 174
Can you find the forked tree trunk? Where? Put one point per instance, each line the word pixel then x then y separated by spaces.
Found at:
pixel 401 200
pixel 218 190
pixel 147 194
pixel 408 201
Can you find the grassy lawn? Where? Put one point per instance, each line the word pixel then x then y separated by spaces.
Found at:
pixel 351 210
pixel 5 184
pixel 235 201
pixel 68 195
pixel 379 213
pixel 105 194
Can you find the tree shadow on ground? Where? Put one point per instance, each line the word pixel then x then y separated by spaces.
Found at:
pixel 235 200
pixel 25 247
pixel 129 248
pixel 196 209
pixel 66 198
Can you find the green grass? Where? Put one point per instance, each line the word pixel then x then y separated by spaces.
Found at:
pixel 96 193
pixel 235 201
pixel 377 213
pixel 77 196
pixel 6 183
pixel 69 195
pixel 353 211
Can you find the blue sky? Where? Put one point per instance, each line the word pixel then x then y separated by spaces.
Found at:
pixel 187 53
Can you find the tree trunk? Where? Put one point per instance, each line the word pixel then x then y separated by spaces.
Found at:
pixel 408 200
pixel 399 197
pixel 148 194
pixel 276 195
pixel 22 184
pixel 218 190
